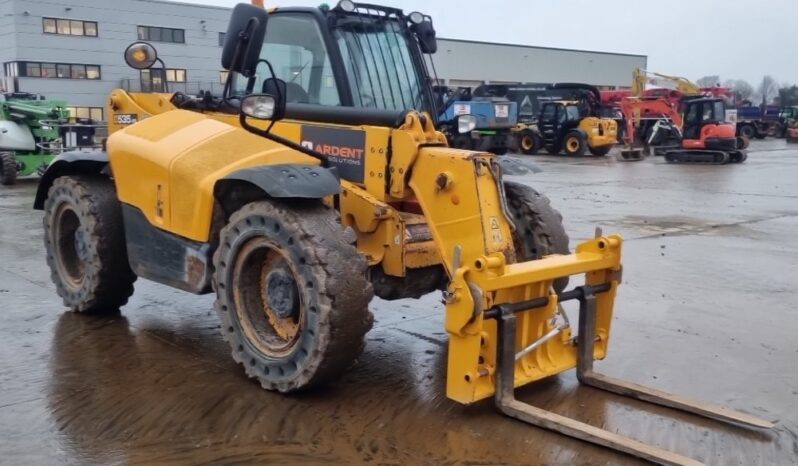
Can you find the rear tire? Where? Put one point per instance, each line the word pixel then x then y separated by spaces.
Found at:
pixel 601 151
pixel 747 131
pixel 291 293
pixel 574 144
pixel 539 228
pixel 529 142
pixel 8 168
pixel 84 237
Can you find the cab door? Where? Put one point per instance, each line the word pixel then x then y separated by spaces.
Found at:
pixel 548 123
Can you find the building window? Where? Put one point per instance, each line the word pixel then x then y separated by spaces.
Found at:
pixel 69 27
pixel 159 34
pixel 223 76
pixel 95 113
pixel 222 37
pixel 11 69
pixel 152 80
pixel 156 75
pixel 175 75
pixel 34 69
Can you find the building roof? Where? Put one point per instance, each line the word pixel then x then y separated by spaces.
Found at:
pixel 506 44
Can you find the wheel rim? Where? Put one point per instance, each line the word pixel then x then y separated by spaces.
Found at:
pixel 527 143
pixel 572 144
pixel 71 243
pixel 267 299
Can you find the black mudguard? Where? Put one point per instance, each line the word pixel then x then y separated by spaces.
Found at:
pixel 70 163
pixel 289 180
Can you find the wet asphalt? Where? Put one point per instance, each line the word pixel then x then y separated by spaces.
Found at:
pixel 707 310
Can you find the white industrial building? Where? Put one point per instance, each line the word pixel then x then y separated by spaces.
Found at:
pixel 469 63
pixel 73 50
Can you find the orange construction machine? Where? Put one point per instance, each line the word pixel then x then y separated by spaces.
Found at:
pixel 699 124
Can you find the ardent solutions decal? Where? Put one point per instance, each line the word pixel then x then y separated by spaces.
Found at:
pixel 345 149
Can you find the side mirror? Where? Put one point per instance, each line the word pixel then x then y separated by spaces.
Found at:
pixel 262 107
pixel 140 55
pixel 425 32
pixel 244 39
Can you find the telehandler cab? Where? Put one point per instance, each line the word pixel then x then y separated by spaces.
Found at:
pixel 574 125
pixel 316 181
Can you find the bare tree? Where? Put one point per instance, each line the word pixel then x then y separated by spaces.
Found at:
pixel 742 89
pixel 708 81
pixel 768 89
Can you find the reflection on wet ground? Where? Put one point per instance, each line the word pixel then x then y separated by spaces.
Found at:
pixel 706 315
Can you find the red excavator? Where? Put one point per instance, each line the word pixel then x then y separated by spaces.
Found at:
pixel 707 137
pixel 699 124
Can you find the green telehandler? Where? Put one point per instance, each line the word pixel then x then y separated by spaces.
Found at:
pixel 30 134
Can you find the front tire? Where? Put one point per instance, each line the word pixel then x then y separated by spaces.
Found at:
pixel 8 168
pixel 575 144
pixel 539 230
pixel 292 294
pixel 84 238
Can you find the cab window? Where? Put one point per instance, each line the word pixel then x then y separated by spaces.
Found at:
pixel 572 113
pixel 378 64
pixel 295 48
pixel 549 112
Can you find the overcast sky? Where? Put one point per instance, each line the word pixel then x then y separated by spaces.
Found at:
pixel 735 39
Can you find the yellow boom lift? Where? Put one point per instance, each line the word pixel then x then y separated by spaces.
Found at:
pixel 317 180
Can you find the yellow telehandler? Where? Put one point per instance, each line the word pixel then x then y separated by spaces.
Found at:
pixel 317 180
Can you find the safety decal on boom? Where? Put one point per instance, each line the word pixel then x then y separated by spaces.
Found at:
pixel 344 148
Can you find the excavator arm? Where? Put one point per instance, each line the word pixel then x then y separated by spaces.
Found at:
pixel 641 78
pixel 634 108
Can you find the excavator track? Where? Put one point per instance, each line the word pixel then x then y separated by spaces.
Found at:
pixel 705 157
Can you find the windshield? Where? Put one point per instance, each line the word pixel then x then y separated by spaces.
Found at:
pixel 378 63
pixel 549 112
pixel 380 68
pixel 572 112
pixel 295 48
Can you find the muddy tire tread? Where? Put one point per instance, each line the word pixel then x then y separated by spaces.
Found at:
pixel 540 224
pixel 109 279
pixel 339 273
pixel 8 169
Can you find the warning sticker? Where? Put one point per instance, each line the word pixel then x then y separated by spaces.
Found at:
pixel 502 110
pixel 345 149
pixel 496 230
pixel 462 109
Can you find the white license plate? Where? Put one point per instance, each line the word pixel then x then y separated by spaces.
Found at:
pixel 502 111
